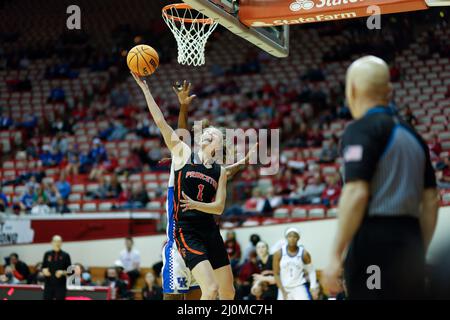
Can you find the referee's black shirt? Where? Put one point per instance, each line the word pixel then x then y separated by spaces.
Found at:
pixel 387 152
pixel 56 260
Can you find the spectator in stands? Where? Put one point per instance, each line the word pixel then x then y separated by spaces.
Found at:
pixel 255 204
pixel 39 191
pixel 57 95
pixel 273 200
pixel 329 151
pixel 108 165
pixel 114 187
pixel 410 117
pixel 138 198
pixel 61 125
pixel 122 274
pixel 52 194
pixel 84 276
pixel 443 175
pixel 32 150
pixel 97 154
pixel 5 122
pixel 32 183
pixel 37 277
pixel 123 197
pixel 61 206
pixel 27 200
pixel 265 279
pixel 285 182
pixel 332 191
pixel 80 113
pixel 131 261
pixel 245 278
pixel 102 189
pixel 40 207
pixel 8 276
pixel 47 157
pixel 60 143
pixel 435 147
pixel 19 268
pixel 157 268
pixel 56 156
pixel 151 291
pixel 119 290
pixel 63 186
pixel 29 121
pixel 254 239
pixel 3 200
pixel 315 137
pixel 143 126
pixel 73 160
pixel 313 191
pixel 233 249
pixel 395 73
pixel 119 131
pixel 85 162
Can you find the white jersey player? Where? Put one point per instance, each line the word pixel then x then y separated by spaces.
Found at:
pixel 290 263
pixel 177 279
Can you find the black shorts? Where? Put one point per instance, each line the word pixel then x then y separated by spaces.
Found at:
pixel 394 245
pixel 197 242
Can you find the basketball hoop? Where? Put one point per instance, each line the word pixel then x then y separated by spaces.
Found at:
pixel 191 29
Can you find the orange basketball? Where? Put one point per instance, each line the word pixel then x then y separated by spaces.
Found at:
pixel 142 60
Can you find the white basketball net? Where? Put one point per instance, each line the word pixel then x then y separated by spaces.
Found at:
pixel 191 30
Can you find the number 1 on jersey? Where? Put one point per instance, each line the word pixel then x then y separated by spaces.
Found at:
pixel 200 192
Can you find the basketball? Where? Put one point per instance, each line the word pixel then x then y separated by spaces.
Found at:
pixel 142 60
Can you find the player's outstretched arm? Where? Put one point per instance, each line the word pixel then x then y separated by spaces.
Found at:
pixel 182 92
pixel 179 150
pixel 215 207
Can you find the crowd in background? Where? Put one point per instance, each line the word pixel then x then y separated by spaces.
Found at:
pixel 301 108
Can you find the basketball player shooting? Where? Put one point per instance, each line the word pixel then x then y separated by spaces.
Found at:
pixel 178 281
pixel 198 176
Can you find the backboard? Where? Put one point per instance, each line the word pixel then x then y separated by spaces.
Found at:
pixel 273 39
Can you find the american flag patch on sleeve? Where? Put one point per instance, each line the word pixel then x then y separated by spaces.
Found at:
pixel 353 153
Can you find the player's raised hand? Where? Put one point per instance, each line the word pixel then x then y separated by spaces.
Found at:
pixel 182 92
pixel 141 82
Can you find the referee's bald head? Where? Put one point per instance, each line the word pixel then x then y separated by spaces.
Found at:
pixel 367 85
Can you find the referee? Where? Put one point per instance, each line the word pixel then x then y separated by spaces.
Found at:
pixel 388 207
pixel 54 268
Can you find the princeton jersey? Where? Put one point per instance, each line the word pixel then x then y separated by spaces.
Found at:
pixel 200 184
pixel 291 268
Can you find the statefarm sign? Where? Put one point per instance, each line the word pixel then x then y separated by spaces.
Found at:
pixel 261 13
